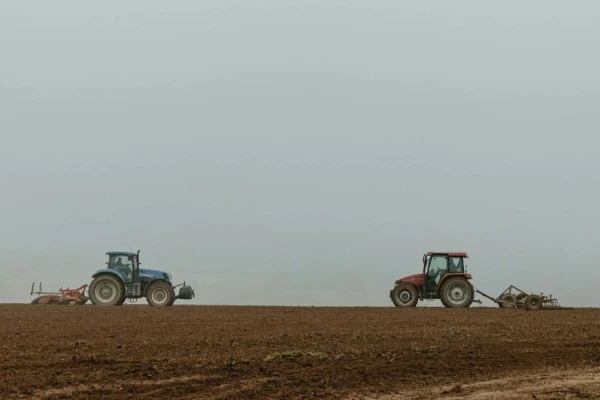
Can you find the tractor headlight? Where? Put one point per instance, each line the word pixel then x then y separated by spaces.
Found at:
pixel 167 277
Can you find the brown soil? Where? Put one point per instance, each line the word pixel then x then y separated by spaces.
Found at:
pixel 55 352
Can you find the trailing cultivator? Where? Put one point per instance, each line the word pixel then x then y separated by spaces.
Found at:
pixel 61 297
pixel 513 297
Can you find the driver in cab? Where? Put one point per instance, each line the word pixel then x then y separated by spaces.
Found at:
pixel 125 269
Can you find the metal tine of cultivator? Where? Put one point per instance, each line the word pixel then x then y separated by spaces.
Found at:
pixel 550 303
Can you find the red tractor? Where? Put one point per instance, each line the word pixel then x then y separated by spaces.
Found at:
pixel 443 277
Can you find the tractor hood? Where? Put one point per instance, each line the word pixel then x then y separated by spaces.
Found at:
pixel 154 274
pixel 416 279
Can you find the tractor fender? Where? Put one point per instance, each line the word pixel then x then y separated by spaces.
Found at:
pixel 107 271
pixel 452 275
pixel 149 283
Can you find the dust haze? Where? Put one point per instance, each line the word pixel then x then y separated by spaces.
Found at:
pixel 300 153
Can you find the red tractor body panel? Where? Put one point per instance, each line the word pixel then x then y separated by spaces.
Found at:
pixel 419 279
pixel 416 279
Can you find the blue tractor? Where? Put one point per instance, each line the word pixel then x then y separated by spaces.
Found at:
pixel 124 279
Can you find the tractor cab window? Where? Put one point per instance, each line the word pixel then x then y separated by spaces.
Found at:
pixel 438 266
pixel 456 264
pixel 123 264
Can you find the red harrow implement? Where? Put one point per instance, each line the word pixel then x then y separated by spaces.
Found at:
pixel 61 297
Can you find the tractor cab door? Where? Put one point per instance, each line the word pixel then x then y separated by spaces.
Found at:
pixel 123 264
pixel 437 268
pixel 133 288
pixel 129 266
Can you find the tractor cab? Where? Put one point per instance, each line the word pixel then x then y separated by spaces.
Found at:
pixel 437 265
pixel 443 277
pixel 126 263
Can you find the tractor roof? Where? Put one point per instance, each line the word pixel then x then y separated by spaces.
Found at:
pixel 447 253
pixel 120 253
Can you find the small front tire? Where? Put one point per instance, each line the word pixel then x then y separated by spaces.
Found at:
pixel 404 295
pixel 160 294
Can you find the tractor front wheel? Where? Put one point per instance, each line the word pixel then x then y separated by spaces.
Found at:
pixel 160 294
pixel 457 293
pixel 107 290
pixel 404 295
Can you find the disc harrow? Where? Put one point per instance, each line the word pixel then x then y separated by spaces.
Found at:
pixel 513 297
pixel 61 297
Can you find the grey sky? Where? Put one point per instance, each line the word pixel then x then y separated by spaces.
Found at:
pixel 301 153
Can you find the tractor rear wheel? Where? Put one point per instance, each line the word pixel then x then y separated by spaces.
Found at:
pixel 533 302
pixel 107 290
pixel 404 295
pixel 160 294
pixel 457 293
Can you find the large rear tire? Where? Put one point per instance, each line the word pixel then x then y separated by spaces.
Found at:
pixel 404 295
pixel 107 290
pixel 457 293
pixel 160 294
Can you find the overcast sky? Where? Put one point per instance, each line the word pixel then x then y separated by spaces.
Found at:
pixel 301 152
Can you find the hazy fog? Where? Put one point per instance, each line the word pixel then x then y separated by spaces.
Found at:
pixel 301 153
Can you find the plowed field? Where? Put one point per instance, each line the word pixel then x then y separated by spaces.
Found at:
pixel 205 352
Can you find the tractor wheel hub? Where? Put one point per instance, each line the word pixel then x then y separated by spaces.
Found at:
pixel 457 294
pixel 159 295
pixel 405 296
pixel 106 292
